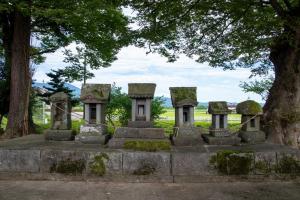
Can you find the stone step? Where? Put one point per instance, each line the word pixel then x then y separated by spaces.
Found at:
pixel 143 133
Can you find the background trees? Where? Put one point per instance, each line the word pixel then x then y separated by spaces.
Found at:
pixel 259 35
pixel 99 25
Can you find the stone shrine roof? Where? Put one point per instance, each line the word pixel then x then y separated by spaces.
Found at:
pixel 59 96
pixel 95 93
pixel 141 90
pixel 184 96
pixel 218 107
pixel 249 107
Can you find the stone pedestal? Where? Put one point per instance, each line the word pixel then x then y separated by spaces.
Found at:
pixel 59 135
pixel 140 124
pixel 229 140
pixel 187 136
pixel 91 134
pixel 124 134
pixel 252 137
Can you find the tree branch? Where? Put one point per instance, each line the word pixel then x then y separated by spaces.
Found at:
pixel 278 8
pixel 288 5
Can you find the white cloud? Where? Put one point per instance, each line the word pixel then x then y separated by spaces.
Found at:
pixel 133 65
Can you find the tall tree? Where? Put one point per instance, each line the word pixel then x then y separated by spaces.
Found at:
pixel 56 84
pixel 98 24
pixel 256 34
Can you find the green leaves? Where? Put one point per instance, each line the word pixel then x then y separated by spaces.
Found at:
pixel 223 33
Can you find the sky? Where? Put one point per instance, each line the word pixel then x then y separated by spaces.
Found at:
pixel 135 66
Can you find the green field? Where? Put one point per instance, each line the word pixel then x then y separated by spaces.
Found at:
pixel 200 115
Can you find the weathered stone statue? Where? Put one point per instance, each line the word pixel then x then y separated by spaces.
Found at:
pixel 60 118
pixel 141 95
pixel 140 129
pixel 219 133
pixel 251 112
pixel 95 97
pixel 184 99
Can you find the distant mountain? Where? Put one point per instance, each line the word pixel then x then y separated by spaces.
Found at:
pixel 168 103
pixel 75 90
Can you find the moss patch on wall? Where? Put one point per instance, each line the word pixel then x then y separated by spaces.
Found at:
pixel 288 164
pixel 146 167
pixel 68 166
pixel 97 166
pixel 232 162
pixel 151 146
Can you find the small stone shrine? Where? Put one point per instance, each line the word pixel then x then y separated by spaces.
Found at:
pixel 218 132
pixel 141 95
pixel 60 118
pixel 251 112
pixel 95 98
pixel 140 128
pixel 184 99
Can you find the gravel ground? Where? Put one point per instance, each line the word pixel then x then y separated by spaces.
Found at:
pixel 62 190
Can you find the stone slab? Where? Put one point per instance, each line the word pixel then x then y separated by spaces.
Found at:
pixel 147 133
pixel 140 124
pixel 118 143
pixel 252 137
pixel 187 136
pixel 191 163
pixel 219 132
pixel 90 139
pixel 19 160
pixel 229 140
pixel 92 134
pixel 113 164
pixel 59 135
pixel 52 157
pixel 135 161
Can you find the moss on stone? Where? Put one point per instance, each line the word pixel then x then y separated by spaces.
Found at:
pixel 96 92
pixel 181 95
pixel 288 164
pixel 218 107
pixel 146 168
pixel 151 146
pixel 249 107
pixel 143 90
pixel 232 162
pixel 263 166
pixel 68 166
pixel 97 166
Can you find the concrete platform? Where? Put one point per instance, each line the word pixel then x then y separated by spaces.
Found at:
pixel 35 156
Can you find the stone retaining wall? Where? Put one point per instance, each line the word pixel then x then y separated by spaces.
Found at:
pixel 161 164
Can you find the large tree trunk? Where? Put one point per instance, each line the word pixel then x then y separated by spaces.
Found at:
pixel 282 109
pixel 20 77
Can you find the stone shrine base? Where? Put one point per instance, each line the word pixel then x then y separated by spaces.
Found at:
pixel 252 137
pixel 126 134
pixel 59 135
pixel 187 136
pixel 91 134
pixel 225 140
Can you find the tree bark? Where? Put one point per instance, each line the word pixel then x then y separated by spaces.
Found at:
pixel 20 77
pixel 282 108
